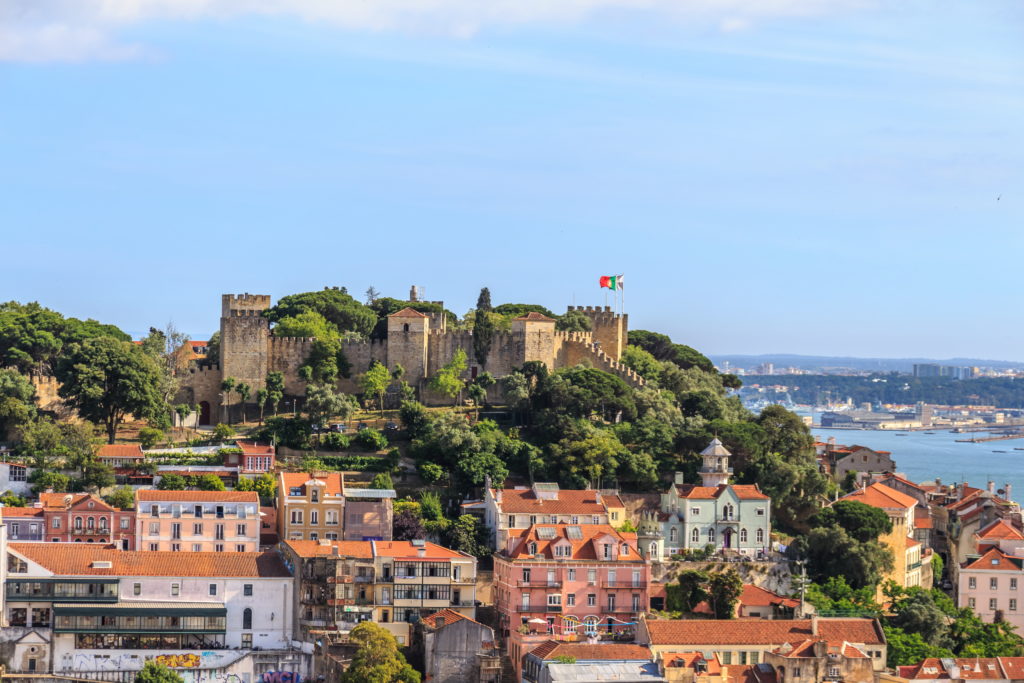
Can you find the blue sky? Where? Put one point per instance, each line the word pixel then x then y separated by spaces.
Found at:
pixel 771 176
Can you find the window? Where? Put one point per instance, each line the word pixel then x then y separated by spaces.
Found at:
pixel 56 522
pixel 694 511
pixel 239 547
pixel 197 547
pixel 624 549
pixel 511 521
pixel 313 536
pixel 1013 604
pixel 78 523
pixel 526 575
pixel 295 491
pixel 240 530
pixel 595 519
pixel 296 517
pixel 197 529
pixel 993 583
pixel 1013 584
pixel 247 589
pixel 176 530
pixel 760 536
pixel 19 473
pixel 970 603
pixel 591 599
pixel 743 657
pixel 154 528
pixel 331 517
pixel 554 599
pixel 314 496
pixel 591 576
pixel 247 618
pixel 175 590
pixel 727 659
pixel 219 548
pixel 615 516
pixel 611 602
pixel 331 535
pixel 175 547
pixel 672 535
pixel 574 519
pixel 219 532
pixel 314 517
pixel 743 535
pixel 213 589
pixel 833 672
pixel 972 582
pixel 572 575
pixel 533 519
pixel 993 604
pixel 607 551
pixel 711 535
pixel 136 589
pixel 695 536
pixel 760 512
pixel 124 522
pixel 570 599
pixel 154 546
pixel 247 640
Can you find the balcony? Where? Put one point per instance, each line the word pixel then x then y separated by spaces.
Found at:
pixel 637 585
pixel 727 520
pixel 90 532
pixel 523 609
pixel 715 470
pixel 463 603
pixel 538 583
pixel 914 565
pixel 26 536
pixel 340 579
pixel 622 609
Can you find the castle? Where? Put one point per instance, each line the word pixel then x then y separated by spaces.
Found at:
pixel 419 342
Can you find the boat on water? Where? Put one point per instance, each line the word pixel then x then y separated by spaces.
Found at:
pixel 998 451
pixel 901 434
pixel 929 432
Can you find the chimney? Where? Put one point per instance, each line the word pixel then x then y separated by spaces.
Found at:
pixel 335 550
pixel 438 622
pixel 831 442
pixel 814 624
pixel 597 497
pixel 421 551
pixel 497 497
pixel 1009 490
pixel 679 478
pixel 991 486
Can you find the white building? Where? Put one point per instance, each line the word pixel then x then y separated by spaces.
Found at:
pixel 85 609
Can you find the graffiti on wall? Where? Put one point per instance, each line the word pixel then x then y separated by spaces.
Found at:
pixel 179 661
pixel 198 676
pixel 281 677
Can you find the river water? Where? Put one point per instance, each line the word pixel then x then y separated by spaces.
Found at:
pixel 922 457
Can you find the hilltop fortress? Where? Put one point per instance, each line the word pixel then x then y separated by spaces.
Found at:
pixel 419 342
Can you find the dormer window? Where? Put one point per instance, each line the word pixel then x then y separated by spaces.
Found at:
pixel 295 491
pixel 625 549
pixel 314 496
pixel 532 548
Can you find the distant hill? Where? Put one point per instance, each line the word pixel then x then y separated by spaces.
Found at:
pixel 820 363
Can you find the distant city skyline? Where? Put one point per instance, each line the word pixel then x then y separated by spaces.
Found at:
pixel 778 176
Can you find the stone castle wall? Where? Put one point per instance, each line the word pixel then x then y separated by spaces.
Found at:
pixel 287 355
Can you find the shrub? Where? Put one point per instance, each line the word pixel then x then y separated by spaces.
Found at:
pixel 223 431
pixel 150 436
pixel 335 442
pixel 370 440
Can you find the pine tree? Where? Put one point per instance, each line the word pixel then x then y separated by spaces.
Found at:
pixel 483 328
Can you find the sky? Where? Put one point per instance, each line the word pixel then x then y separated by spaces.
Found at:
pixel 837 177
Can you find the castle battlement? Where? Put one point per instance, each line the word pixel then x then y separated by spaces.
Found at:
pixel 581 337
pixel 292 340
pixel 243 304
pixel 204 369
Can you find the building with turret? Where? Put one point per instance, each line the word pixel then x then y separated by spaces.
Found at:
pixel 733 518
pixel 419 342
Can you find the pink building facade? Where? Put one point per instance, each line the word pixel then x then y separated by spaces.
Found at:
pixel 197 521
pixel 993 586
pixel 570 582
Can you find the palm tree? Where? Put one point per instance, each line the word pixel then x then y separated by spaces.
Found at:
pixel 261 399
pixel 227 385
pixel 244 391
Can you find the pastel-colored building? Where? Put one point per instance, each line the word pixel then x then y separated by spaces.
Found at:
pixel 197 521
pixel 121 454
pixel 86 518
pixel 320 507
pixel 993 586
pixel 733 518
pixel 85 610
pixel 572 581
pixel 974 669
pixel 508 511
pixel 255 458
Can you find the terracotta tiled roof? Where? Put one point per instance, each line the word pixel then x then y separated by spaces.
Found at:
pixel 360 549
pixel 881 496
pixel 689 659
pixel 996 560
pixel 65 501
pixel 158 496
pixel 448 615
pixel 1000 530
pixel 535 317
pixel 333 480
pixel 742 491
pixel 569 502
pixel 582 548
pixel 1013 667
pixel 407 313
pixel 805 648
pixel 613 501
pixel 120 450
pixel 253 448
pixel 922 520
pixel 405 550
pixel 905 482
pixel 585 652
pixel 970 668
pixel 22 512
pixel 77 559
pixel 758 631
pixel 755 596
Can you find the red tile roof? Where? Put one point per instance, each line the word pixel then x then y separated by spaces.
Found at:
pixel 996 560
pixel 881 496
pixel 21 512
pixel 333 481
pixel 77 559
pixel 689 659
pixel 755 596
pixel 253 448
pixel 407 313
pixel 742 491
pixel 535 317
pixel 758 631
pixel 158 496
pixel 805 649
pixel 970 668
pixel 582 548
pixel 120 450
pixel 359 549
pixel 405 550
pixel 585 652
pixel 449 616
pixel 569 502
pixel 905 482
pixel 1000 530
pixel 66 501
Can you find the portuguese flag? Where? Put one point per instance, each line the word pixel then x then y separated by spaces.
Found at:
pixel 611 281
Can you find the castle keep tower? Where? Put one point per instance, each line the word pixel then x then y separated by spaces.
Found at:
pixel 608 328
pixel 408 336
pixel 536 333
pixel 245 338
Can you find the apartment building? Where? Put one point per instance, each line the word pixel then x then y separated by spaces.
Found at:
pixel 86 518
pixel 393 583
pixel 993 586
pixel 507 511
pixel 570 581
pixel 86 610
pixel 197 521
pixel 320 507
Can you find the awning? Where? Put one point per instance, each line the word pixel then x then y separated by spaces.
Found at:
pixel 142 609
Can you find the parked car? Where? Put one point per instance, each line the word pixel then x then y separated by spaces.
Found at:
pixel 338 427
pixel 362 426
pixel 391 426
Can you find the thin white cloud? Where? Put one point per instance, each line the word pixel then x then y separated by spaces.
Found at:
pixel 77 30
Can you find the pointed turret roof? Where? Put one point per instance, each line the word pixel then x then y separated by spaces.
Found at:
pixel 715 448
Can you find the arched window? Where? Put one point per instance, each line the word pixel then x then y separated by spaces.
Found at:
pixel 695 536
pixel 246 619
pixel 760 535
pixel 728 511
pixel 711 535
pixel 743 535
pixel 90 523
pixel 78 523
pixel 653 550
pixel 405 327
pixel 672 535
pixel 103 523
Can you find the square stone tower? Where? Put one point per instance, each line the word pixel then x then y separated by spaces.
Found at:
pixel 608 328
pixel 245 338
pixel 408 339
pixel 536 333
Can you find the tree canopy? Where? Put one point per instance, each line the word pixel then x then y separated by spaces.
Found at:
pixel 377 658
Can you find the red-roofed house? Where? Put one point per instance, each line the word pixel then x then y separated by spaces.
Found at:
pixel 991 585
pixel 980 669
pixel 197 521
pixel 536 662
pixel 120 454
pixel 511 510
pixel 734 518
pixel 1003 534
pixel 569 580
pixel 457 649
pixel 815 659
pixel 908 554
pixel 762 603
pixel 86 518
pixel 255 458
